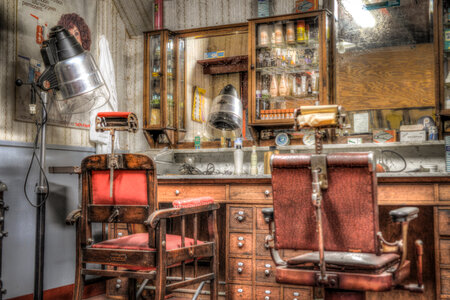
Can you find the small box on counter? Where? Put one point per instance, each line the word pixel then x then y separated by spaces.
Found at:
pixel 214 54
pixel 412 133
pixel 384 136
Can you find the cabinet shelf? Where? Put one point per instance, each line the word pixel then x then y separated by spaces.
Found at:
pixel 312 45
pixel 224 65
pixel 288 69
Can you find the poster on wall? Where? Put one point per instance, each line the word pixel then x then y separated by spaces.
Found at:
pixel 34 20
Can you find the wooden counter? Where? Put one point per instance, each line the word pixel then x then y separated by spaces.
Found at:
pixel 245 264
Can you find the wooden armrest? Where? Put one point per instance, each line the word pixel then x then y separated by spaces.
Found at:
pixel 404 214
pixel 157 215
pixel 73 216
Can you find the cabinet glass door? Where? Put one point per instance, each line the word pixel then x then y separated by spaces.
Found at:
pixel 181 83
pixel 171 82
pixel 288 65
pixel 446 65
pixel 155 81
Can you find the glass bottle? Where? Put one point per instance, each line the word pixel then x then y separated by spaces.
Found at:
pixel 273 87
pixel 283 89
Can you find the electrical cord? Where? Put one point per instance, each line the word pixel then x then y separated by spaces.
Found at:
pixel 383 158
pixel 39 127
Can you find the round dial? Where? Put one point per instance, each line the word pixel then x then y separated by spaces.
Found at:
pixel 309 138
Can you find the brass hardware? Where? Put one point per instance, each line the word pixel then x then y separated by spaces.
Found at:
pixel 177 192
pixel 267 193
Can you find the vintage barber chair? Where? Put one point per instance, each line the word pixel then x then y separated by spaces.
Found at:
pixel 328 204
pixel 122 188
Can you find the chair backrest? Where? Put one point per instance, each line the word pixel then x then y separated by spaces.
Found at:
pixel 134 188
pixel 349 205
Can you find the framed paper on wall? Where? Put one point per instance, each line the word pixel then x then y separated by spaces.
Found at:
pixel 34 20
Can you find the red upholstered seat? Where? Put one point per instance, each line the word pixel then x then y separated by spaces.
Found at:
pixel 139 241
pixel 113 114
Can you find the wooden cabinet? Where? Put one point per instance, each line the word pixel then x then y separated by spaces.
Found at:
pixel 164 120
pixel 248 259
pixel 245 264
pixel 290 65
pixel 443 45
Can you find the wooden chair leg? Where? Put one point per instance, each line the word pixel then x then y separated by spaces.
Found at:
pixel 79 283
pixel 132 288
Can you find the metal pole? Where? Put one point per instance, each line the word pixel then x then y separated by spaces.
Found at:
pixel 41 192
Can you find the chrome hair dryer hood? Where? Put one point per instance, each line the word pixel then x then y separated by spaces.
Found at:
pixel 226 110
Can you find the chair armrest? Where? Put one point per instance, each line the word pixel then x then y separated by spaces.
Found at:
pixel 167 213
pixel 404 214
pixel 268 214
pixel 73 216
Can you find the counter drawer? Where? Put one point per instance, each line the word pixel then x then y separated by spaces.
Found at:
pixel 444 252
pixel 260 247
pixel 445 281
pixel 240 291
pixel 261 224
pixel 241 243
pixel 240 269
pixel 297 293
pixel 251 192
pixel 444 192
pixel 267 293
pixel 444 221
pixel 404 193
pixel 170 192
pixel 265 271
pixel 240 217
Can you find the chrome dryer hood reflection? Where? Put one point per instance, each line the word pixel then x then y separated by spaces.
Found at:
pixel 226 110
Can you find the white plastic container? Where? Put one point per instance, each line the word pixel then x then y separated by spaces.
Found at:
pixel 238 157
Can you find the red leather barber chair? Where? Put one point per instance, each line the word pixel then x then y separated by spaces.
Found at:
pixel 327 204
pixel 122 188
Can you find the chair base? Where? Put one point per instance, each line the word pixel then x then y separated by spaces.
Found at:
pixel 332 294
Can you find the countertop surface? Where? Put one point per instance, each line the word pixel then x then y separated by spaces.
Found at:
pixel 246 176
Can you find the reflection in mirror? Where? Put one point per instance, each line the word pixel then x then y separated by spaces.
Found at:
pixel 385 60
pixel 211 64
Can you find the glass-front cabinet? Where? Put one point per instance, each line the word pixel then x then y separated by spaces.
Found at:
pixel 163 92
pixel 290 65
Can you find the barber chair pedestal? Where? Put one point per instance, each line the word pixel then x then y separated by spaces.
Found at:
pixel 332 294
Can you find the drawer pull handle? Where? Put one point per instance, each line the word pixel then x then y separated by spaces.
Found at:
pixel 177 192
pixel 118 286
pixel 267 272
pixel 120 234
pixel 295 299
pixel 240 216
pixel 268 292
pixel 267 266
pixel 240 290
pixel 240 244
pixel 266 298
pixel 239 270
pixel 240 264
pixel 296 294
pixel 267 193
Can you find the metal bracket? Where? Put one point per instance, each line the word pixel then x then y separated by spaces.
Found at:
pixel 319 162
pixel 327 281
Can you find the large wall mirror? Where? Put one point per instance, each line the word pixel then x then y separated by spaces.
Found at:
pixel 385 61
pixel 213 59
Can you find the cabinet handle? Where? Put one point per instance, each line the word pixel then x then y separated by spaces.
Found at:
pixel 240 244
pixel 118 286
pixel 240 290
pixel 266 298
pixel 267 272
pixel 119 234
pixel 296 294
pixel 241 241
pixel 177 192
pixel 239 270
pixel 267 193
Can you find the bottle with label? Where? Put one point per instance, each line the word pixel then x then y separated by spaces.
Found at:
pixel 301 32
pixel 197 140
pixel 273 87
pixel 290 32
pixel 254 162
pixel 238 157
pixel 283 89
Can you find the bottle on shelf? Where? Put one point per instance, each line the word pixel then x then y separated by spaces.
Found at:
pixel 279 40
pixel 290 32
pixel 254 162
pixel 238 157
pixel 283 89
pixel 301 31
pixel 273 87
